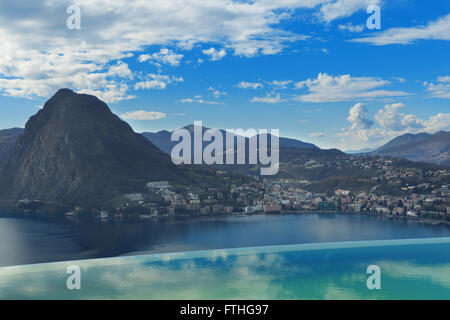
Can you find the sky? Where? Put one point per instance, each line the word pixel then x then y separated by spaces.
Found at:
pixel 311 68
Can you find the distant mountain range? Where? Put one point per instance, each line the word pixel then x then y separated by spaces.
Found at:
pixel 291 151
pixel 297 159
pixel 76 152
pixel 162 140
pixel 422 147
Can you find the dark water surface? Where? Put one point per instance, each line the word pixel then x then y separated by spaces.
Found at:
pixel 25 241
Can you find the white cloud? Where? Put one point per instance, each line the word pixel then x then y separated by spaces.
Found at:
pixel 156 81
pixel 249 85
pixel 110 92
pixel 150 84
pixel 391 119
pixel 42 75
pixel 165 56
pixel 197 99
pixel 436 30
pixel 351 28
pixel 281 84
pixel 326 88
pixel 438 122
pixel 399 79
pixel 317 135
pixel 143 115
pixel 214 54
pixel 269 99
pixel 358 117
pixel 217 93
pixel 343 8
pixel 441 89
pixel 389 123
pixel 39 55
pixel 443 79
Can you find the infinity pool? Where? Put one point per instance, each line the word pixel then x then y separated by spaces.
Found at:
pixel 410 269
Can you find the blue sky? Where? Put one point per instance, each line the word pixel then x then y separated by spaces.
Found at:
pixel 310 68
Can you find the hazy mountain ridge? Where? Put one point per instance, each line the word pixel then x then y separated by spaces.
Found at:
pixel 291 151
pixel 403 140
pixel 313 164
pixel 422 147
pixel 162 139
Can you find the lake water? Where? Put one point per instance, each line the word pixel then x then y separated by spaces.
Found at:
pixel 27 241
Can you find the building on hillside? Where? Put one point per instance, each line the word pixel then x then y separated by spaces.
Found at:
pixel 158 184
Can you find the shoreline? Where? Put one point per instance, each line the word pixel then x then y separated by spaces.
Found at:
pixel 141 218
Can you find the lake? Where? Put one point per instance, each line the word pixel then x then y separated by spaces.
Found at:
pixel 27 241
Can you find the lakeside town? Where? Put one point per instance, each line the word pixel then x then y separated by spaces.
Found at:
pixel 424 200
pixel 388 189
